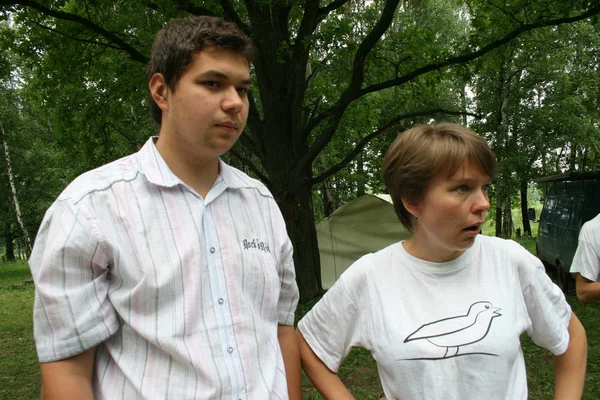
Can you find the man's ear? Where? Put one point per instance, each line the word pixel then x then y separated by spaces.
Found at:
pixel 159 91
pixel 411 206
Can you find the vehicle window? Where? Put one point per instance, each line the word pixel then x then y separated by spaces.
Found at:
pixel 549 207
pixel 563 211
pixel 575 214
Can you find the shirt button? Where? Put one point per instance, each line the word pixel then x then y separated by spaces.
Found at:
pixel 212 249
pixel 230 349
pixel 221 300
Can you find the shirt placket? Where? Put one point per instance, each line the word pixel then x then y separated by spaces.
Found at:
pixel 222 310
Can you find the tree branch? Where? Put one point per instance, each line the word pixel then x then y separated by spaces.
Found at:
pixel 263 178
pixel 193 9
pixel 352 91
pixel 505 12
pixel 134 54
pixel 476 54
pixel 233 16
pixel 389 125
pixel 334 5
pixel 340 106
pixel 75 39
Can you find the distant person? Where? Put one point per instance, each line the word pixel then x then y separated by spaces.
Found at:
pixel 442 313
pixel 586 262
pixel 168 274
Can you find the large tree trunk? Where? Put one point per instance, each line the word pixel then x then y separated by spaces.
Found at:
pixel 296 207
pixel 13 190
pixel 507 223
pixel 10 247
pixel 498 216
pixel 524 213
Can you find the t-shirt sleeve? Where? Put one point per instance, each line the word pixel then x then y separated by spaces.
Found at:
pixel 586 260
pixel 332 327
pixel 548 311
pixel 72 312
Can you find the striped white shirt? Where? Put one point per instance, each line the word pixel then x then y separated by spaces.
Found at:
pixel 181 295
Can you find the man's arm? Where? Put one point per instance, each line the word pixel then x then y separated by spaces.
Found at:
pixel 587 291
pixel 70 378
pixel 291 358
pixel 569 367
pixel 327 382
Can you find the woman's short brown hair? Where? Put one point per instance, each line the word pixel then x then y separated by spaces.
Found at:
pixel 422 153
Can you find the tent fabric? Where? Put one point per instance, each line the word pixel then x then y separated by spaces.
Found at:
pixel 364 225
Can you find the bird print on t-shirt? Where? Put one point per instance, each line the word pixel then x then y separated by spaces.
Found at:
pixel 455 332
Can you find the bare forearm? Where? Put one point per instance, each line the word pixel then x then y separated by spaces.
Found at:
pixel 327 382
pixel 587 291
pixel 70 378
pixel 288 342
pixel 569 367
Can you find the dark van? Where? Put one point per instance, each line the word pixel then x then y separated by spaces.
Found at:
pixel 571 200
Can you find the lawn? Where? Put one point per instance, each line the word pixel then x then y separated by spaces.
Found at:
pixel 19 371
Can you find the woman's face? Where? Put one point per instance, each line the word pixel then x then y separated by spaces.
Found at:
pixel 451 214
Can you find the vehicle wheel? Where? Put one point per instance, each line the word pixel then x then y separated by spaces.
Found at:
pixel 562 278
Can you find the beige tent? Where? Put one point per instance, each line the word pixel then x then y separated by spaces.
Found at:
pixel 363 225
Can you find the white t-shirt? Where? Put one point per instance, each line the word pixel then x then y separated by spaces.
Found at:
pixel 442 330
pixel 586 260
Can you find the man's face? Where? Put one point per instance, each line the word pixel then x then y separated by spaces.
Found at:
pixel 207 111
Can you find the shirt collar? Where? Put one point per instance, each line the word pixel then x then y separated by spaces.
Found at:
pixel 154 167
pixel 156 170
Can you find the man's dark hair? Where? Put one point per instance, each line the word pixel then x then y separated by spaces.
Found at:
pixel 177 43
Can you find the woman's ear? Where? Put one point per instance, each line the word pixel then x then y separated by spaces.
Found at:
pixel 159 91
pixel 411 206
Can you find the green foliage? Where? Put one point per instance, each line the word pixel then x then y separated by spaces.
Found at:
pixel 330 91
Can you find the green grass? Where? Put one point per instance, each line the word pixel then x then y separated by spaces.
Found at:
pixel 19 370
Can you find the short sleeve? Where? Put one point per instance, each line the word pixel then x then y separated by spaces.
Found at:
pixel 586 260
pixel 72 312
pixel 289 294
pixel 548 310
pixel 332 327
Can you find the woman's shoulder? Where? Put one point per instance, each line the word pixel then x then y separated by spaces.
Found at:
pixel 512 253
pixel 501 244
pixel 368 263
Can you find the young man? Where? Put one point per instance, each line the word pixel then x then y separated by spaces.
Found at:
pixel 168 274
pixel 586 262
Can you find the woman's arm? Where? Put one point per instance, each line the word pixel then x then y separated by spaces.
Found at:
pixel 569 367
pixel 327 382
pixel 587 291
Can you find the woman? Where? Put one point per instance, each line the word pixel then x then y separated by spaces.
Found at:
pixel 442 312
